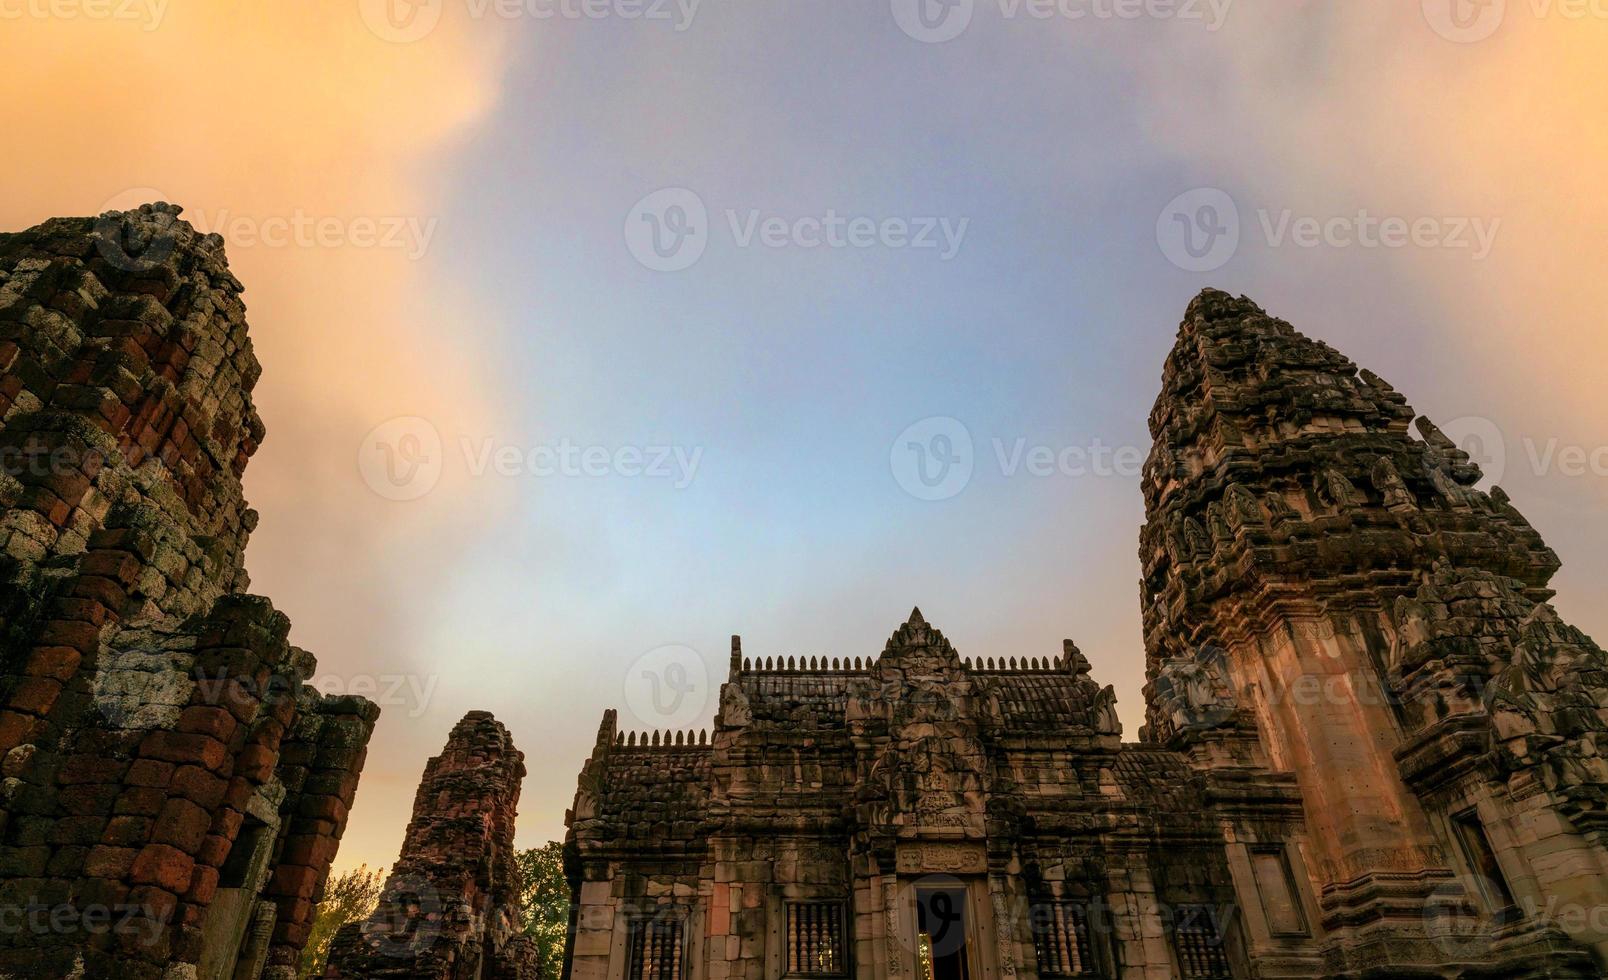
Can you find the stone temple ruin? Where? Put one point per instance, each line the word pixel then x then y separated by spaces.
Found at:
pixel 450 908
pixel 1372 748
pixel 171 792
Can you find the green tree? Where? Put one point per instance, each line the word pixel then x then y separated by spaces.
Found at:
pixel 546 900
pixel 348 897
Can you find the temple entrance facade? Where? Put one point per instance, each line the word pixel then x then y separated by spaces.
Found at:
pixel 913 816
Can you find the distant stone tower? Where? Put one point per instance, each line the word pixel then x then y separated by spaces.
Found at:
pixel 1386 625
pixel 450 909
pixel 171 793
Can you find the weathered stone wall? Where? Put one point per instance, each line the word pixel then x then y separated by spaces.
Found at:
pixel 149 710
pixel 450 909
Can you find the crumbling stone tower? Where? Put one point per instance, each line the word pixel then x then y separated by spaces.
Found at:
pixel 171 793
pixel 1386 624
pixel 450 909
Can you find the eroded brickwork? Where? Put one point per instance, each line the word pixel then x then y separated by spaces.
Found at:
pixel 172 792
pixel 1372 749
pixel 450 909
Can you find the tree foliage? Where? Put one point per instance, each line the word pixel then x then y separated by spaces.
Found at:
pixel 348 897
pixel 546 900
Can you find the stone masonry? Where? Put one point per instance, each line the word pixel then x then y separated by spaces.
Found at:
pixel 1372 748
pixel 171 793
pixel 450 909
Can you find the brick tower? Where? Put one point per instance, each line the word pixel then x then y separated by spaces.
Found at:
pixel 172 792
pixel 450 909
pixel 1386 625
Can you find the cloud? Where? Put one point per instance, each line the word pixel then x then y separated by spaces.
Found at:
pixel 304 139
pixel 1327 108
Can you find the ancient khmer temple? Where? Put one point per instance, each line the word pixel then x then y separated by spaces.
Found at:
pixel 1372 748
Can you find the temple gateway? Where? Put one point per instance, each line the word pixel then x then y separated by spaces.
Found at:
pixel 1372 749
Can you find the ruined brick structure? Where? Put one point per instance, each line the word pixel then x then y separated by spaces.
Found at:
pixel 171 793
pixel 1372 749
pixel 450 909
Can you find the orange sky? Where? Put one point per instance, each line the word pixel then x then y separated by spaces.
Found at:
pixel 265 111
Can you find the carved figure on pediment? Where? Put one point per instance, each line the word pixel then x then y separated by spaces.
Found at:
pixel 1387 480
pixel 1195 538
pixel 1178 551
pixel 1193 692
pixel 1217 524
pixel 734 708
pixel 1338 491
pixel 1242 505
pixel 1280 508
pixel 1414 629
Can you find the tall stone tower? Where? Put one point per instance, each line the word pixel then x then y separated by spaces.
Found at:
pixel 1386 625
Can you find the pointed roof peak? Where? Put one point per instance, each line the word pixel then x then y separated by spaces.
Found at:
pixel 918 635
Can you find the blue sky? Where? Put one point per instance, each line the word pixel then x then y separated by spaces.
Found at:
pixel 1064 146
